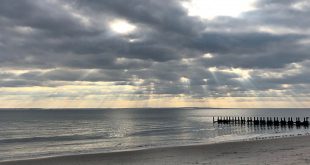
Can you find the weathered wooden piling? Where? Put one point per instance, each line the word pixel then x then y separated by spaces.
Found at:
pixel 276 122
pixel 290 121
pixel 283 122
pixel 269 121
pixel 306 122
pixel 262 121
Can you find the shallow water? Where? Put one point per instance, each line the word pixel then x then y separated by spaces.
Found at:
pixel 28 134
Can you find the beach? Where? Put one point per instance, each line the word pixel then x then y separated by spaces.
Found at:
pixel 290 150
pixel 154 82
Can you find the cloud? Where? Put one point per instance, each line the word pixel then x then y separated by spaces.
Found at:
pixel 53 43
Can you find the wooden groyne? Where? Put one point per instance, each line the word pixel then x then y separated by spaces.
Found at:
pixel 269 121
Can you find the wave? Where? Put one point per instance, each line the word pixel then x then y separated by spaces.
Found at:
pixel 54 138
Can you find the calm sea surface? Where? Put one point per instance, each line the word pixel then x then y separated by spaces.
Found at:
pixel 28 134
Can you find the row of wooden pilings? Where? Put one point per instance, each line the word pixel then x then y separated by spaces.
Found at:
pixel 269 121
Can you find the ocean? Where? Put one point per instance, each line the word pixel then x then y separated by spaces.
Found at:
pixel 35 133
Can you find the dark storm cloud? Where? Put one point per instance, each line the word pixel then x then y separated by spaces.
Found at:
pixel 19 83
pixel 251 50
pixel 166 16
pixel 46 16
pixel 72 39
pixel 77 75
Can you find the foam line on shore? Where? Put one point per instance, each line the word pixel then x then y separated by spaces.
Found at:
pixel 269 145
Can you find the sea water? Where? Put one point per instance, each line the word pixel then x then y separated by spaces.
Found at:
pixel 35 133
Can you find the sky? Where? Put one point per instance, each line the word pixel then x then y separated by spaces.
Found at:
pixel 154 53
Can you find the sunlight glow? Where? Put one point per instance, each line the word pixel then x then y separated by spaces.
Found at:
pixel 286 85
pixel 23 29
pixel 208 55
pixel 244 74
pixel 185 80
pixel 301 5
pixel 210 9
pixel 122 26
pixel 212 69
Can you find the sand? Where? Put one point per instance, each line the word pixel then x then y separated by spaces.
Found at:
pixel 292 150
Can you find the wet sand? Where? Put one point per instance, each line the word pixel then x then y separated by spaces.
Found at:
pixel 292 150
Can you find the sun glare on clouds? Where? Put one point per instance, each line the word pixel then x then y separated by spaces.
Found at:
pixel 122 26
pixel 210 9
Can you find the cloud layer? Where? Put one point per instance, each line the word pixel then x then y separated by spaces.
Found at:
pixel 54 44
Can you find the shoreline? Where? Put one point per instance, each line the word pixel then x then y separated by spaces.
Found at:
pixel 255 138
pixel 196 154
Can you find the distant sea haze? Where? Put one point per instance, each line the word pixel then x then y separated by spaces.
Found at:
pixel 33 133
